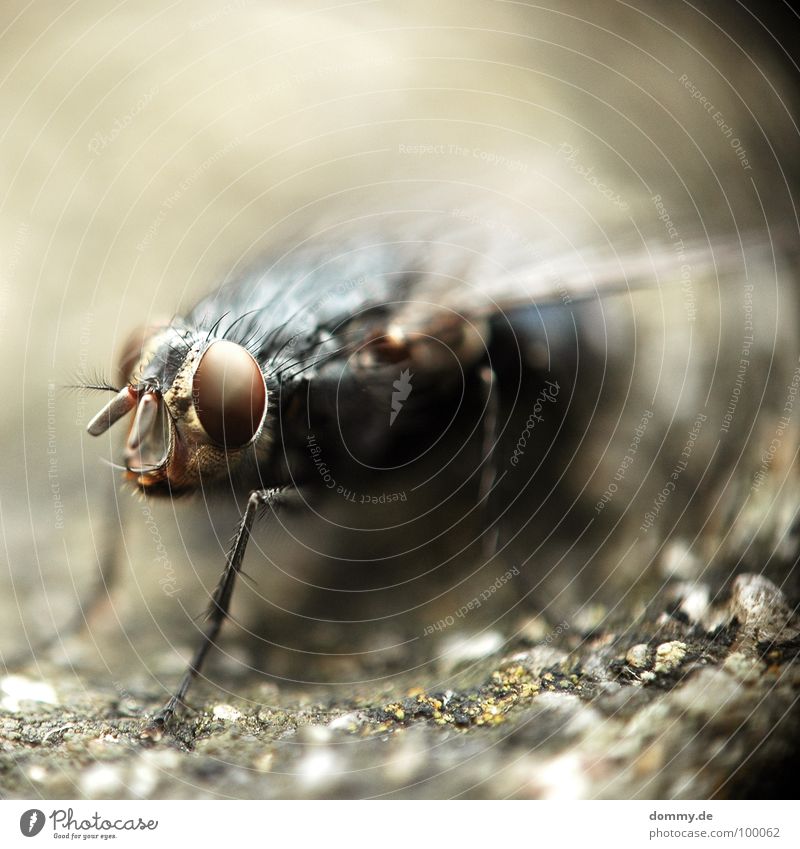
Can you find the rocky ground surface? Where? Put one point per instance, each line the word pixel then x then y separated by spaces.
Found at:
pixel 696 700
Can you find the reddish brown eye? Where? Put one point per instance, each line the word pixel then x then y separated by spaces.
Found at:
pixel 229 394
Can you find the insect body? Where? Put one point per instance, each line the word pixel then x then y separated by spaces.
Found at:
pixel 366 349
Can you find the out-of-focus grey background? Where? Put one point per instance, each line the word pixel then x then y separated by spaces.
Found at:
pixel 150 151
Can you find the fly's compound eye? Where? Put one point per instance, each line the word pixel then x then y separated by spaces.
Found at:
pixel 229 394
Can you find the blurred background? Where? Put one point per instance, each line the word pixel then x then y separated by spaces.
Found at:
pixel 150 152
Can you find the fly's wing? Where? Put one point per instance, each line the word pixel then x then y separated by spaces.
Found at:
pixel 421 294
pixel 500 283
pixel 445 315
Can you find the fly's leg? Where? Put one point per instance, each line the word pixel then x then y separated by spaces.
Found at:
pixel 491 535
pixel 220 602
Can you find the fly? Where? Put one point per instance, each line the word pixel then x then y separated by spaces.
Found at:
pixel 228 394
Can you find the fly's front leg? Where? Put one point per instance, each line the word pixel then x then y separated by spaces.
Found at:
pixel 220 601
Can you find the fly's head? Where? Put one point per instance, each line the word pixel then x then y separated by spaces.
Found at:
pixel 198 405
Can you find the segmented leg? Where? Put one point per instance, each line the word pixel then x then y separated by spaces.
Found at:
pixel 220 600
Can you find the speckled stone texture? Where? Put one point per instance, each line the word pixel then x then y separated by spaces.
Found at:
pixel 681 704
